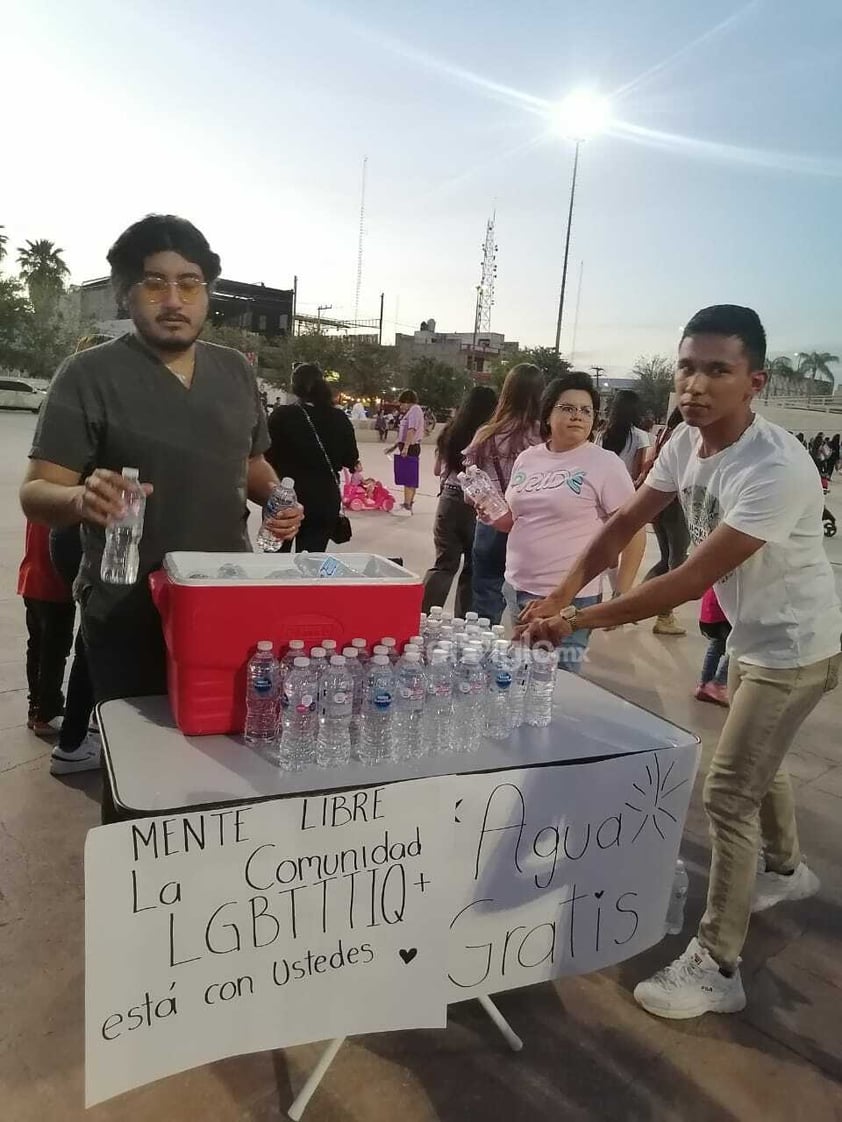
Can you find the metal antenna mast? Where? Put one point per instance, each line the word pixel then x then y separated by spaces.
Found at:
pixel 360 243
pixel 485 289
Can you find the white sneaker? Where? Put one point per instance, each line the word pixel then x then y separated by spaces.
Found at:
pixel 401 512
pixel 86 758
pixel 691 986
pixel 774 888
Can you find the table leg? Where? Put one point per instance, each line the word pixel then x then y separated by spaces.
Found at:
pixel 315 1077
pixel 500 1022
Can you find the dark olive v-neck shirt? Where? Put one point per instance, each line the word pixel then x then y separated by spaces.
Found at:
pixel 116 406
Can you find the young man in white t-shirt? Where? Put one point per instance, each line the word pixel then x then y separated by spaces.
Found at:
pixel 753 502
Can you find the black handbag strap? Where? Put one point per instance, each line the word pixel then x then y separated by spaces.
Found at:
pixel 322 449
pixel 495 459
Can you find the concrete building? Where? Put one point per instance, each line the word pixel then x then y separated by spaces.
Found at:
pixel 251 307
pixel 458 349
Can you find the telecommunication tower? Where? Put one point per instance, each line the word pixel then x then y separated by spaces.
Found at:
pixel 485 289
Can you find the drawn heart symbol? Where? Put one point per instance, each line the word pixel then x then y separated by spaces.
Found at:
pixel 599 895
pixel 409 955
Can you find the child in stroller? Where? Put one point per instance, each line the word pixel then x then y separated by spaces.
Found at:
pixel 360 493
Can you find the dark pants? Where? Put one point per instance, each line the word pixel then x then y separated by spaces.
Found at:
pixel 50 634
pixel 673 540
pixel 66 555
pixel 453 537
pixel 489 560
pixel 311 536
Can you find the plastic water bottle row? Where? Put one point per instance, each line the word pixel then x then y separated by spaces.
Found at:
pixel 326 707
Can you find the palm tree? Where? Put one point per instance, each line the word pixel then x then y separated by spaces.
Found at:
pixel 3 239
pixel 817 362
pixel 44 270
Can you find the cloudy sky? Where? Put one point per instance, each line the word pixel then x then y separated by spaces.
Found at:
pixel 719 180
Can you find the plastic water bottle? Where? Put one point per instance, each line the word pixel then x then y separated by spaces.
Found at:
pixel 330 646
pixel 262 690
pixel 300 720
pixel 362 647
pixel 294 650
pixel 435 612
pixel 333 747
pixel 438 714
pixel 482 493
pixel 391 646
pixel 678 897
pixel 283 496
pixel 318 664
pixel 538 706
pixel 499 676
pixel 121 555
pixel 357 672
pixel 410 695
pixel 520 680
pixel 498 631
pixel 469 698
pixel 471 617
pixel 484 623
pixel 376 718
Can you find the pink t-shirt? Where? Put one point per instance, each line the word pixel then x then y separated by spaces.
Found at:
pixel 559 501
pixel 413 418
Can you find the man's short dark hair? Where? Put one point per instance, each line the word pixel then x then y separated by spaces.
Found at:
pixel 408 396
pixel 573 380
pixel 731 319
pixel 157 233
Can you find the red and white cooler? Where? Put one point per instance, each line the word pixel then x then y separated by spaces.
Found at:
pixel 212 622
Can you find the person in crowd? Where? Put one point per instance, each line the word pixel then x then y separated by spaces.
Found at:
pixel 753 505
pixel 381 425
pixel 50 613
pixel 185 413
pixel 670 528
pixel 453 530
pixel 799 436
pixel 560 493
pixel 714 625
pixel 815 447
pixel 408 447
pixel 622 434
pixel 358 412
pixel 832 462
pixel 514 426
pixel 311 442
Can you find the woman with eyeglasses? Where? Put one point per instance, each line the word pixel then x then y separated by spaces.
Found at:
pixel 560 494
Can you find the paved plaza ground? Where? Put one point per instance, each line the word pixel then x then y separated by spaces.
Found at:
pixel 590 1053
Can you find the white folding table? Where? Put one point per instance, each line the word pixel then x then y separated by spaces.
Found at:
pixel 154 769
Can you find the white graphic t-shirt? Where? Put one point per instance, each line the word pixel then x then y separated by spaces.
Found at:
pixel 782 602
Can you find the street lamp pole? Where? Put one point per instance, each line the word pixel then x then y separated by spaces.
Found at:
pixel 567 248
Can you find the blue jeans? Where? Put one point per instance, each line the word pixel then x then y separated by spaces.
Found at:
pixel 489 558
pixel 571 653
pixel 715 666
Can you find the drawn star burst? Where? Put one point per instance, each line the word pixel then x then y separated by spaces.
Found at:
pixel 654 791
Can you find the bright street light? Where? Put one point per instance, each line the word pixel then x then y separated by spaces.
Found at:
pixel 580 116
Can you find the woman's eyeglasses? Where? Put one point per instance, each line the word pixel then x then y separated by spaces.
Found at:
pixel 575 410
pixel 156 289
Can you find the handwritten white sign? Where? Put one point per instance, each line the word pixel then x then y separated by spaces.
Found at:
pixel 246 928
pixel 563 870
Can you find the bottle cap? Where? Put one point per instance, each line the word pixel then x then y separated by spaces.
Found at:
pixel 412 656
pixel 318 652
pixel 265 645
pixel 438 657
pixel 447 617
pixel 470 655
pixel 296 644
pixel 471 617
pixel 288 483
pixel 499 630
pixel 301 663
pixel 381 660
pixel 329 644
pixel 436 613
pixel 358 643
pixel 388 642
pixel 131 474
pixel 484 622
pixel 381 650
pixel 416 640
pixel 351 652
pixel 337 660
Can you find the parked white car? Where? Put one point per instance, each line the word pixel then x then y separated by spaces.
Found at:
pixel 15 394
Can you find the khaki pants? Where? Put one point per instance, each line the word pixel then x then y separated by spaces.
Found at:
pixel 748 796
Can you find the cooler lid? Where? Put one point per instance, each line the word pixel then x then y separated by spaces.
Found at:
pixel 232 569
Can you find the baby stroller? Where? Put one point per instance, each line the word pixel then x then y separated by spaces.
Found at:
pixel 828 520
pixel 365 494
